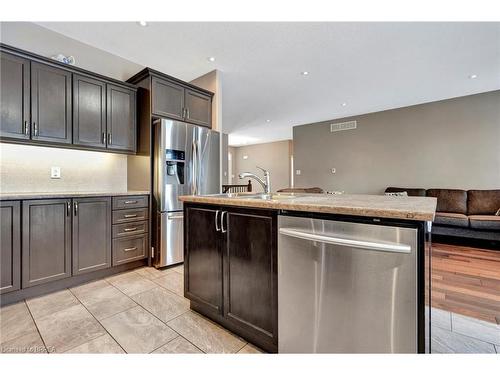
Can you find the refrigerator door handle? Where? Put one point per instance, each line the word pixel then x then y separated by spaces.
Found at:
pixel 194 169
pixel 368 245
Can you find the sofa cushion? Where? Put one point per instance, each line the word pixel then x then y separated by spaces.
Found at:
pixel 483 202
pixel 450 200
pixel 412 192
pixel 485 222
pixel 448 218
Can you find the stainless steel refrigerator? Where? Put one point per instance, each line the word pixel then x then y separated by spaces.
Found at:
pixel 186 162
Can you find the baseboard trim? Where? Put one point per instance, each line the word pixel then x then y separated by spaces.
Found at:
pixel 38 290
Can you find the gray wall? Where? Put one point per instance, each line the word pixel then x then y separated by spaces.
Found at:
pixel 452 143
pixel 273 156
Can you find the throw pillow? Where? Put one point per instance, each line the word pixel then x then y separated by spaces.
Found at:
pixel 498 212
pixel 398 194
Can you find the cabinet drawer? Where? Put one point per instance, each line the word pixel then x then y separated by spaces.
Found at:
pixel 130 229
pixel 126 216
pixel 129 249
pixel 130 201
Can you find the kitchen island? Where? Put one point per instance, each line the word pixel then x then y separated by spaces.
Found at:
pixel 310 272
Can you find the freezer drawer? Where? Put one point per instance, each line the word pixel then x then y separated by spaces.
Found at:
pixel 346 287
pixel 171 238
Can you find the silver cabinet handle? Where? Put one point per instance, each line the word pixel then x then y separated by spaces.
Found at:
pixel 222 222
pixel 130 202
pixel 109 138
pixel 35 128
pixel 103 138
pixel 368 245
pixel 68 208
pixel 175 217
pixel 130 248
pixel 129 229
pixel 216 221
pixel 128 216
pixel 75 207
pixel 187 113
pixel 26 128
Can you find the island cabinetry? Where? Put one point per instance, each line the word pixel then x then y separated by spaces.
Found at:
pixel 231 269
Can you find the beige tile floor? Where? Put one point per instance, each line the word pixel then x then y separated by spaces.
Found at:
pixel 140 311
pixel 144 311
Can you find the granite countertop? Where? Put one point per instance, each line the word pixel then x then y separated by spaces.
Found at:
pixel 69 194
pixel 408 208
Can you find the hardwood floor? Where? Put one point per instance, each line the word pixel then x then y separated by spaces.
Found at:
pixel 466 281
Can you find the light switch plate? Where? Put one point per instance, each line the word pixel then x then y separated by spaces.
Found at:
pixel 297 172
pixel 333 170
pixel 55 172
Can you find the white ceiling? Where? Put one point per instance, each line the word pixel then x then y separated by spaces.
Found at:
pixel 369 66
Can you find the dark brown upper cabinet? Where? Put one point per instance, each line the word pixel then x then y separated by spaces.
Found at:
pixel 46 241
pixel 15 96
pixel 89 112
pixel 203 258
pixel 121 118
pixel 198 108
pixel 172 98
pixel 91 234
pixel 168 99
pixel 45 102
pixel 50 104
pixel 10 246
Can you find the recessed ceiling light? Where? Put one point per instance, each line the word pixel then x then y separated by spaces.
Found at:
pixel 268 120
pixel 305 73
pixel 211 59
pixel 343 104
pixel 473 76
pixel 143 23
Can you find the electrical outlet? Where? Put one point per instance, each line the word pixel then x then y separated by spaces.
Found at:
pixel 297 172
pixel 333 170
pixel 55 172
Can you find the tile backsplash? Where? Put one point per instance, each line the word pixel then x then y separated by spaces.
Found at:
pixel 28 168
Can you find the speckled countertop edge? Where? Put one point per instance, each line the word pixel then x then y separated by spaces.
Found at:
pixel 407 208
pixel 69 194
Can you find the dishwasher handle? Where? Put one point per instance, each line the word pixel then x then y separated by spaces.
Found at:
pixel 368 245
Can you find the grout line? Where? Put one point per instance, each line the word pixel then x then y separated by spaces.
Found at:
pixel 185 338
pixel 36 326
pixel 105 330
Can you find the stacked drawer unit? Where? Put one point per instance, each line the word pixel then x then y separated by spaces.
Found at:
pixel 130 228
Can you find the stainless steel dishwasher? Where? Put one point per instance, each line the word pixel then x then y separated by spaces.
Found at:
pixel 346 287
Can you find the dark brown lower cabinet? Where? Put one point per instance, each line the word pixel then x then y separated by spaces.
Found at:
pixel 203 258
pixel 10 246
pixel 231 269
pixel 91 234
pixel 46 248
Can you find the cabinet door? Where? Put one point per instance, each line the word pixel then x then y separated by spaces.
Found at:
pixel 121 118
pixel 15 96
pixel 10 246
pixel 250 273
pixel 46 248
pixel 202 258
pixel 89 112
pixel 91 234
pixel 168 99
pixel 198 108
pixel 50 104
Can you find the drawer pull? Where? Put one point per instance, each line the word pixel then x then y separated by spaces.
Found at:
pixel 130 248
pixel 129 229
pixel 130 202
pixel 128 216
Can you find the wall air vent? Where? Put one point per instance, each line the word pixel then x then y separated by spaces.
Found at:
pixel 338 126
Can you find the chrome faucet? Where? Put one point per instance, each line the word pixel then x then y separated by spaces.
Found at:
pixel 266 185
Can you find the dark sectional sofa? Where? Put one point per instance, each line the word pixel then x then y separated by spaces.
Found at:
pixel 460 213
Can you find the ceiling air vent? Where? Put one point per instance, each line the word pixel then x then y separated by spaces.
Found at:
pixel 349 125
